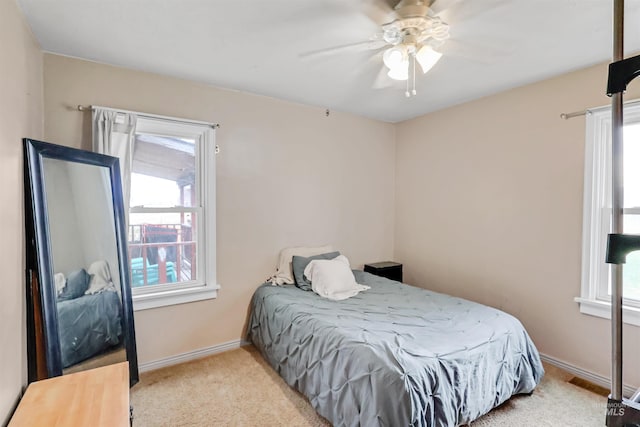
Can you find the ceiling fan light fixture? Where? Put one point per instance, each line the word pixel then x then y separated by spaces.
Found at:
pixel 394 57
pixel 427 58
pixel 400 71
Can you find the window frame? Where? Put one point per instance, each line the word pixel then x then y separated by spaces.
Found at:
pixel 594 297
pixel 205 286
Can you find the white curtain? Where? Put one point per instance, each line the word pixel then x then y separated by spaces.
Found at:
pixel 114 135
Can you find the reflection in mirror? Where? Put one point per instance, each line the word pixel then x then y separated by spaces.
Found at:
pixel 79 310
pixel 83 247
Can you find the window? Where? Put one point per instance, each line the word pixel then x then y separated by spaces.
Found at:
pixel 596 276
pixel 171 224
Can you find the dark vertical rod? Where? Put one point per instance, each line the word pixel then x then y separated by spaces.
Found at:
pixel 617 204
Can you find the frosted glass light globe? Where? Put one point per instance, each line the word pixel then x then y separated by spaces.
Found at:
pixel 394 56
pixel 400 71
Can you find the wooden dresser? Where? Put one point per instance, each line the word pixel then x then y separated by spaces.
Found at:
pixel 97 397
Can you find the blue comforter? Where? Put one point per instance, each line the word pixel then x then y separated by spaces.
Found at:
pixel 88 326
pixel 394 355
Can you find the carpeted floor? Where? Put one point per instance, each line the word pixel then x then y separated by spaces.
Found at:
pixel 238 388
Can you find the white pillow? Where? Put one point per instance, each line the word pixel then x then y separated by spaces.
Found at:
pixel 333 278
pixel 60 282
pixel 100 278
pixel 284 272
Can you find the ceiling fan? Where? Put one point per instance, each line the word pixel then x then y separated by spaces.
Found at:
pixel 413 37
pixel 410 36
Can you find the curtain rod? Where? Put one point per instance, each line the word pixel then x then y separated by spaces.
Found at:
pixel 568 116
pixel 147 115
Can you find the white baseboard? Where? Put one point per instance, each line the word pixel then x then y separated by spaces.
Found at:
pixel 597 379
pixel 191 355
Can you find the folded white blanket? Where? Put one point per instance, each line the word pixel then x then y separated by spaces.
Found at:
pixel 100 278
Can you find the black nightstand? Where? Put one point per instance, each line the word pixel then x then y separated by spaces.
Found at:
pixel 389 269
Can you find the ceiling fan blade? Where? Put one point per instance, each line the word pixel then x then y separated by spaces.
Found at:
pixel 475 52
pixel 373 44
pixel 382 80
pixel 456 11
pixel 380 11
pixel 372 72
pixel 439 6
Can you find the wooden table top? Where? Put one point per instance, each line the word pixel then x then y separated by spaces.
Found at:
pixel 97 397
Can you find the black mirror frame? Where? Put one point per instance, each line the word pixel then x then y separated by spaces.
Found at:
pixel 39 260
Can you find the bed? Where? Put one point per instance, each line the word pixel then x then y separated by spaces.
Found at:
pixel 394 355
pixel 89 325
pixel 89 312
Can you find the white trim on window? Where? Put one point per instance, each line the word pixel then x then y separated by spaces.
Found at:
pixel 592 307
pixel 594 296
pixel 176 296
pixel 205 286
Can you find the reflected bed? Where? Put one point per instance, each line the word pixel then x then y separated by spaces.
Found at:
pixel 88 326
pixel 394 355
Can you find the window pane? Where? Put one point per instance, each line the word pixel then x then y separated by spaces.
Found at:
pixel 164 171
pixel 631 269
pixel 631 153
pixel 631 276
pixel 162 248
pixel 631 222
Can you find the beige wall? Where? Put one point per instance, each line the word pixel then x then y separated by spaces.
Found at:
pixel 488 198
pixel 489 208
pixel 20 116
pixel 287 175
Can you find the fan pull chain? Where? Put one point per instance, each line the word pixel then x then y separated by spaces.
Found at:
pixel 413 92
pixel 413 78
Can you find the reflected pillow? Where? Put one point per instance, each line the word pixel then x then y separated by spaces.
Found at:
pixel 60 282
pixel 77 284
pixel 299 263
pixel 100 278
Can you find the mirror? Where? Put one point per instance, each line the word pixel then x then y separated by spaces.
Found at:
pixel 80 313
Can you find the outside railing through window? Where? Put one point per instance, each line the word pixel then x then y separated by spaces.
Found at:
pixel 161 254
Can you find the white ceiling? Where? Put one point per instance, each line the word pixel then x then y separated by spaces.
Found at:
pixel 274 47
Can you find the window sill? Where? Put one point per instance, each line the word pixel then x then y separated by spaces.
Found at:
pixel 174 297
pixel 630 315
